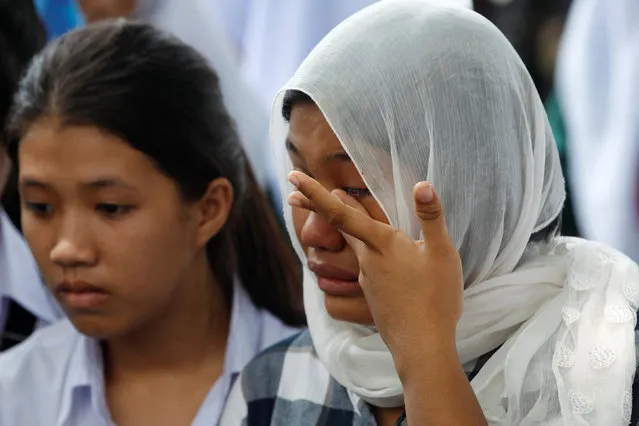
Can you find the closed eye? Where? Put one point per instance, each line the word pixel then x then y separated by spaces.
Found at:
pixel 113 211
pixel 39 209
pixel 357 192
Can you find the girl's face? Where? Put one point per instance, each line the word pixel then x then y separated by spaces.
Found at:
pixel 315 150
pixel 111 234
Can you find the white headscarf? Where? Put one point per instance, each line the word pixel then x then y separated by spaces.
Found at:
pixel 419 91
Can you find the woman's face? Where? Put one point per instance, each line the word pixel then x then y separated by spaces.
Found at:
pixel 97 10
pixel 109 231
pixel 315 150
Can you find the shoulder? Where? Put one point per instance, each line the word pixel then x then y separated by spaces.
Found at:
pixel 262 376
pixel 253 397
pixel 288 379
pixel 42 358
pixel 45 344
pixel 35 372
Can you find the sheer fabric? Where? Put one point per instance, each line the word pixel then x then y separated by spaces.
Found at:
pixel 419 90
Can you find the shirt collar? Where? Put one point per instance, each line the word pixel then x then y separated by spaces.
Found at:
pixel 86 373
pixel 19 276
pixel 85 379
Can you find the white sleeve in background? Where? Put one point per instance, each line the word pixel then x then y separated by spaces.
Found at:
pixel 196 23
pixel 598 87
pixel 274 36
pixel 278 34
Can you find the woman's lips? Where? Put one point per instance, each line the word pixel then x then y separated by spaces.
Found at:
pixel 82 300
pixel 341 288
pixel 334 280
pixel 80 295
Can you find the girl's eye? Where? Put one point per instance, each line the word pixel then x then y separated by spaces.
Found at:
pixel 40 209
pixel 357 192
pixel 113 210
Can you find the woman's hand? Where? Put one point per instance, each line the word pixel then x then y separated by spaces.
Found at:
pixel 413 288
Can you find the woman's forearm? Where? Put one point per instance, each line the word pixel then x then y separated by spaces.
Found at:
pixel 437 392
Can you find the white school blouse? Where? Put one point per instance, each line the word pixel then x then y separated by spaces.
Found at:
pixel 55 378
pixel 20 280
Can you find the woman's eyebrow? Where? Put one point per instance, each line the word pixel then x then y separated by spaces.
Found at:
pixel 107 182
pixel 328 158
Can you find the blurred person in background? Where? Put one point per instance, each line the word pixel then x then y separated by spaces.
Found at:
pixel 534 29
pixel 59 16
pixel 196 23
pixel 150 229
pixel 598 89
pixel 24 301
pixel 271 38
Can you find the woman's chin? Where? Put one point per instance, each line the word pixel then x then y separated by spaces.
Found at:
pixel 99 327
pixel 349 309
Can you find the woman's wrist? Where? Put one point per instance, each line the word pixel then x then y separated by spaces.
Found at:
pixel 437 391
pixel 430 356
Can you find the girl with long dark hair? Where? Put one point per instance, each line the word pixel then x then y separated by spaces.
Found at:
pixel 149 228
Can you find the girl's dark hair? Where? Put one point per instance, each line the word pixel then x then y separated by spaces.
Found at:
pixel 162 98
pixel 22 35
pixel 293 97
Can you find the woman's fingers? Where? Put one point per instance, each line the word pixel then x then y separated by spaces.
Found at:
pixel 359 247
pixel 347 219
pixel 297 199
pixel 350 217
pixel 430 211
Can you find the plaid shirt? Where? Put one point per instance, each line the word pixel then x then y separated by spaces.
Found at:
pixel 287 385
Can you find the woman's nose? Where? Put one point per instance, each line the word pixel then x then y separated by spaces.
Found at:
pixel 73 247
pixel 317 233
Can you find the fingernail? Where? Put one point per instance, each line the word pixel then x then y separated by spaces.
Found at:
pixel 293 201
pixel 424 192
pixel 294 180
